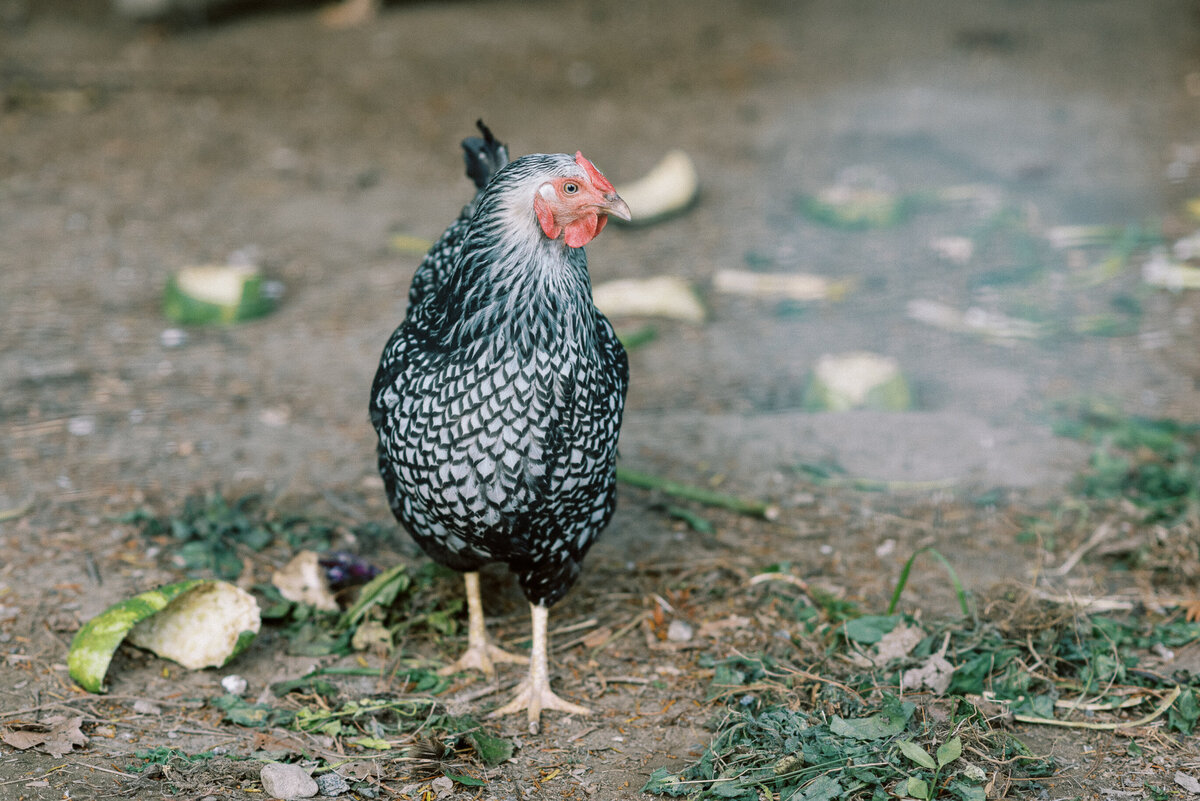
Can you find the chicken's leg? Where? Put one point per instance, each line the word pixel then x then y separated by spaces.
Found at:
pixel 481 654
pixel 534 694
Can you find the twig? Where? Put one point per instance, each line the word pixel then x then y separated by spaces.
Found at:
pixel 576 737
pixel 627 680
pixel 697 494
pixel 1088 603
pixel 885 485
pixel 618 634
pixel 491 688
pixel 67 702
pixel 102 768
pixel 787 578
pixel 93 570
pixel 16 511
pixel 34 778
pixel 1102 531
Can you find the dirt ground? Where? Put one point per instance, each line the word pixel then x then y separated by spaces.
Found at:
pixel 130 150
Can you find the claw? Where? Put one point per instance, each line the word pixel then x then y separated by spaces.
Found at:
pixel 535 701
pixel 534 693
pixel 482 656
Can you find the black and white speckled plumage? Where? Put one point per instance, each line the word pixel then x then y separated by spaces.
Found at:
pixel 498 400
pixel 484 157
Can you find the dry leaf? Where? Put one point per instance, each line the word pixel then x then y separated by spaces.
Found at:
pixel 60 736
pixel 303 580
pixel 64 735
pixel 897 643
pixel 711 628
pixel 1187 782
pixel 597 638
pixel 22 740
pixel 935 674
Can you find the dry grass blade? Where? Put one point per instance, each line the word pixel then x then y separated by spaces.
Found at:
pixel 1158 712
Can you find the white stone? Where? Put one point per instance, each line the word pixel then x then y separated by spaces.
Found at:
pixel 287 781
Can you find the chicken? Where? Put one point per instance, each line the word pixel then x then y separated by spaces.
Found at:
pixel 498 400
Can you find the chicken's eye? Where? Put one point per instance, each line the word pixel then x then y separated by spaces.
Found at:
pixel 570 187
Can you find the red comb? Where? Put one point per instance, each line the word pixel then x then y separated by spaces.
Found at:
pixel 597 177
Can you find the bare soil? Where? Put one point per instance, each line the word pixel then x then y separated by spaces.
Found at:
pixel 128 151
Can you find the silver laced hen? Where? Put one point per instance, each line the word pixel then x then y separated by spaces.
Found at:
pixel 498 400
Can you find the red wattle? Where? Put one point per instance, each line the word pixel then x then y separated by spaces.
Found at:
pixel 583 230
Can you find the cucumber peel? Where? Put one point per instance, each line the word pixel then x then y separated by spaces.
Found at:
pixel 216 294
pixel 197 623
pixel 857 380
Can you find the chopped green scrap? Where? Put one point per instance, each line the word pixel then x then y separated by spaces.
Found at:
pixel 700 495
pixel 379 591
pixel 241 712
pixel 491 750
pixel 465 780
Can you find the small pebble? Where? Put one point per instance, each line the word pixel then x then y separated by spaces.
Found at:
pixel 331 784
pixel 144 707
pixel 1164 653
pixel 81 426
pixel 172 337
pixel 234 684
pixel 286 781
pixel 679 631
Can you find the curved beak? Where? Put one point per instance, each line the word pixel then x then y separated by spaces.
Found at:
pixel 614 205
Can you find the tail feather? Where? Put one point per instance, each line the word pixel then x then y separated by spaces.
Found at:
pixel 484 157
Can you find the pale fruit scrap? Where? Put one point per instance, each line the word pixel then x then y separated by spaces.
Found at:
pixel 197 623
pixel 204 627
pixel 862 197
pixel 666 296
pixel 1160 270
pixel 670 187
pixel 993 326
pixel 781 286
pixel 217 293
pixel 857 380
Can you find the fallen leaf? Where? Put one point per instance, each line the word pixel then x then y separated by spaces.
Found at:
pixel 23 740
pixel 898 643
pixel 935 674
pixel 1187 782
pixel 371 634
pixel 64 738
pixel 58 736
pixel 711 628
pixel 780 286
pixel 597 638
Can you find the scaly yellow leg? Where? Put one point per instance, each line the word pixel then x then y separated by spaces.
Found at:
pixel 534 693
pixel 481 654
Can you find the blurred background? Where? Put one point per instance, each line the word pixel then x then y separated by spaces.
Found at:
pixel 992 196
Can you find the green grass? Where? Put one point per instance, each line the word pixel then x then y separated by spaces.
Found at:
pixel 858 736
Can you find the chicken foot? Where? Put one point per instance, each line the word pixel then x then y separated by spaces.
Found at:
pixel 534 693
pixel 481 653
